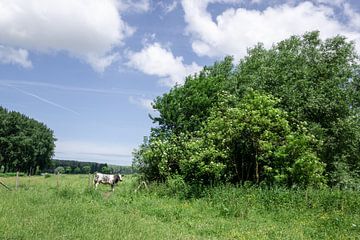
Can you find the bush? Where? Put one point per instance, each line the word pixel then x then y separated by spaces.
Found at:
pixel 59 170
pixel 12 174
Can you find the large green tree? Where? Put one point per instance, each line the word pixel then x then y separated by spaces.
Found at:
pixel 25 143
pixel 185 107
pixel 318 83
pixel 288 112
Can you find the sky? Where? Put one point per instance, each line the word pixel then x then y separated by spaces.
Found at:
pixel 90 69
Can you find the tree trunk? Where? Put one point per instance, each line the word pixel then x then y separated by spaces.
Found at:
pixel 257 171
pixel 256 165
pixel 236 169
pixel 242 168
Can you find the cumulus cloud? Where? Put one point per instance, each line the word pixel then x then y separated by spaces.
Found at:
pixel 354 17
pixel 157 60
pixel 85 29
pixel 236 29
pixel 9 55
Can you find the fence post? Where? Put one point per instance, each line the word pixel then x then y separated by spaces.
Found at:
pixel 57 180
pixel 2 184
pixel 89 180
pixel 17 180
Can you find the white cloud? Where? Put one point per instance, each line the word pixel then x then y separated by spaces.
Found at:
pixel 235 30
pixel 157 60
pixel 354 17
pixel 99 64
pixel 9 55
pixel 168 7
pixel 134 5
pixel 145 103
pixel 337 3
pixel 113 153
pixel 86 29
pixel 256 1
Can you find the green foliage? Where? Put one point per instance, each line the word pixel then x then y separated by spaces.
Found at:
pixel 185 107
pixel 26 144
pixel 86 169
pixel 72 166
pixel 77 170
pixel 317 82
pixel 304 167
pixel 11 174
pixel 344 178
pixel 104 169
pixel 76 167
pixel 59 170
pixel 68 169
pixel 260 144
pixel 287 115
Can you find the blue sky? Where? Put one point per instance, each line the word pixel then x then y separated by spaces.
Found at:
pixel 90 69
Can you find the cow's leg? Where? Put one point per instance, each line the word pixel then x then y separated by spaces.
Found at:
pixel 95 181
pixel 112 187
pixel 96 185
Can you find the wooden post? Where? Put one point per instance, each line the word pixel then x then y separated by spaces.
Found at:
pixel 142 183
pixel 17 180
pixel 89 180
pixel 57 180
pixel 1 183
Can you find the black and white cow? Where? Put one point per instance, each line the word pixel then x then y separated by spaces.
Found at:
pixel 111 179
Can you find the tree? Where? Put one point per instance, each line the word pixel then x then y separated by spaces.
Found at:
pixel 86 169
pixel 257 136
pixel 185 107
pixel 317 82
pixel 25 143
pixel 68 169
pixel 105 169
pixel 299 124
pixel 59 170
pixel 77 170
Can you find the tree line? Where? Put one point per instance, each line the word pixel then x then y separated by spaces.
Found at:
pixel 25 144
pixel 76 167
pixel 288 115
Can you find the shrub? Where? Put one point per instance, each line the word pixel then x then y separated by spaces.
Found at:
pixel 59 170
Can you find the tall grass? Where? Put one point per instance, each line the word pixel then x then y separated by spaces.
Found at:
pixel 67 208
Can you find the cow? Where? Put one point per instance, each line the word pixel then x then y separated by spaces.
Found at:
pixel 111 179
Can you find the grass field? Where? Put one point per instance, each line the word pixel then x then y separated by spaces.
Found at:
pixel 43 209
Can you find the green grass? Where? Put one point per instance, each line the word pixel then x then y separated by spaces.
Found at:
pixel 41 209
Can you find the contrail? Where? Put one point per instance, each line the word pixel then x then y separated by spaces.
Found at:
pixel 81 89
pixel 44 100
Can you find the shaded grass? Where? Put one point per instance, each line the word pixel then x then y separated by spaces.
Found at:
pixel 43 209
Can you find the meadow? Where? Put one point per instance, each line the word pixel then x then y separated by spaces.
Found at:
pixel 69 208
